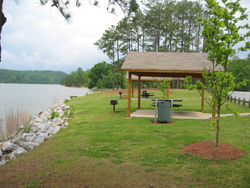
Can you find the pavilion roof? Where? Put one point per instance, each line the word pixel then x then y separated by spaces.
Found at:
pixel 167 64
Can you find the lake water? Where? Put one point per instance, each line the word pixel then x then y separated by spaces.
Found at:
pixel 34 98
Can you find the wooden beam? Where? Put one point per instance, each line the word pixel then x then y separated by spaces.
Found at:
pixel 129 94
pixel 202 95
pixel 139 92
pixel 180 84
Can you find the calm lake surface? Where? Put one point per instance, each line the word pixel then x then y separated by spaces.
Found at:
pixel 34 98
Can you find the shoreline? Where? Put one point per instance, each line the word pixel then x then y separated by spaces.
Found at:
pixel 41 128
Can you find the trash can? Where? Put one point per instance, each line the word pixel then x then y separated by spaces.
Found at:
pixel 164 112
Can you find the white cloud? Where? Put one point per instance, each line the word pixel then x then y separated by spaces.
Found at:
pixel 39 37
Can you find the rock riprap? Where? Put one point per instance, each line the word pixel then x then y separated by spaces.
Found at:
pixel 39 129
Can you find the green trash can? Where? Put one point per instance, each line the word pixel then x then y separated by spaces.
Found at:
pixel 164 112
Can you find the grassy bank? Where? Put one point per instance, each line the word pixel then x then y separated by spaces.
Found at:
pixel 104 149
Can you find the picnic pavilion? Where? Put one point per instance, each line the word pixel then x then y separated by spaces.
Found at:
pixel 164 64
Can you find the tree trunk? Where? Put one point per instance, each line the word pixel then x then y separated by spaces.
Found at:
pixel 143 39
pixel 113 71
pixel 2 22
pixel 117 69
pixel 218 127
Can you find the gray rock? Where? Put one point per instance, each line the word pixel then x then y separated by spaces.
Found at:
pixel 17 137
pixel 12 156
pixel 34 129
pixel 55 130
pixel 8 146
pixel 3 162
pixel 29 137
pixel 18 152
pixel 57 121
pixel 44 127
pixel 27 145
pixel 40 138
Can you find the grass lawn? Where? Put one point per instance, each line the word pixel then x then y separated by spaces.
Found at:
pixel 104 149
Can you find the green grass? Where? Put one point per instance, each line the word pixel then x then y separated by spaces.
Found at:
pixel 105 149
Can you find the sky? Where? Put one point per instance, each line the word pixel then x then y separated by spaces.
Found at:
pixel 37 37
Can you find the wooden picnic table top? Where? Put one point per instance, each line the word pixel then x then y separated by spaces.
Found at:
pixel 175 100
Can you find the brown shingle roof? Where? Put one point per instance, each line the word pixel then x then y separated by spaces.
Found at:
pixel 166 61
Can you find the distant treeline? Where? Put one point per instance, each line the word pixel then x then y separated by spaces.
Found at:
pixel 76 78
pixel 31 77
pixel 101 75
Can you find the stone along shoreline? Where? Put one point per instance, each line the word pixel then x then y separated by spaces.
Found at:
pixel 39 129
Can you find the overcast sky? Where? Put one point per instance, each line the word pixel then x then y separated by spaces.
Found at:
pixel 38 38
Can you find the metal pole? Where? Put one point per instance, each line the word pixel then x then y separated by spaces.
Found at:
pixel 156 102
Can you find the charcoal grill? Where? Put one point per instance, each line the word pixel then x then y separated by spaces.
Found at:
pixel 114 102
pixel 120 94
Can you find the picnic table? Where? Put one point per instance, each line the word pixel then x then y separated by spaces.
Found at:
pixel 146 94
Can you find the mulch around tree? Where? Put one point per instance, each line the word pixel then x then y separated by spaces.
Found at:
pixel 209 150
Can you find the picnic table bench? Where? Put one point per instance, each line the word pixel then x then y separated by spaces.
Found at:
pixel 146 94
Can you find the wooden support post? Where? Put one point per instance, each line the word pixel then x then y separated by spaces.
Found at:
pixel 244 101
pixel 180 84
pixel 139 92
pixel 202 96
pixel 249 103
pixel 239 101
pixel 129 94
pixel 133 88
pixel 234 100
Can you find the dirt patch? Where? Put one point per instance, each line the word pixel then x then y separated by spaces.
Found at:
pixel 209 150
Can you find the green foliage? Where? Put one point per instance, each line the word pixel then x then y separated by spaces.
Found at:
pixel 162 85
pixel 102 76
pixel 240 68
pixel 99 72
pixel 76 78
pixel 27 129
pixel 31 77
pixel 222 34
pixel 54 115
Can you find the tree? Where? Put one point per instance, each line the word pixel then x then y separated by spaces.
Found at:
pixel 98 72
pixel 240 68
pixel 222 34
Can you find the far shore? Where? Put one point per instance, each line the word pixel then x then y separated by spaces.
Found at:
pixel 86 87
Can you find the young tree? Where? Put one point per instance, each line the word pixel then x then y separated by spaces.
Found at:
pixel 222 33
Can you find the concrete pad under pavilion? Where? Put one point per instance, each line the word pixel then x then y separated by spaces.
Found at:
pixel 180 114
